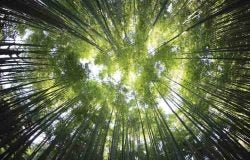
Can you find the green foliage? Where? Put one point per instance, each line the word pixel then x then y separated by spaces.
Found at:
pixel 124 79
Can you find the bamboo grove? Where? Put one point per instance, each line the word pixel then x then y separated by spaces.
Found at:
pixel 174 81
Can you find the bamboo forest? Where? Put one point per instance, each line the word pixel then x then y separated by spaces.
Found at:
pixel 124 79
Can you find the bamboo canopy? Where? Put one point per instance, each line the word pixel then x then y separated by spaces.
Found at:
pixel 120 79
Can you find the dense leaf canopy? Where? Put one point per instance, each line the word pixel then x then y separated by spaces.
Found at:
pixel 124 79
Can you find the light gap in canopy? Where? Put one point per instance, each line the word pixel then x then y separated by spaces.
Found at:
pixel 151 49
pixel 176 77
pixel 26 35
pixel 95 69
pixel 38 139
pixel 17 39
pixel 170 8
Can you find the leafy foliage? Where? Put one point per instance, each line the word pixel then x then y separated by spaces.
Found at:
pixel 119 79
